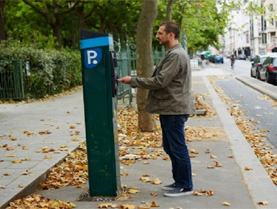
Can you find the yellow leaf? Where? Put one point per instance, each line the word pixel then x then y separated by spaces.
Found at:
pixel 218 164
pixel 213 156
pixel 47 157
pixel 248 169
pixel 20 186
pixel 144 207
pixel 156 181
pixel 193 151
pixel 17 161
pixel 210 167
pixel 127 206
pixel 10 148
pixel 105 205
pixel 14 155
pixel 75 140
pixel 79 186
pixel 226 203
pixel 145 179
pixel 154 194
pixel 133 190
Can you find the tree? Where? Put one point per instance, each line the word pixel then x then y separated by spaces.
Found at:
pixel 2 21
pixel 169 9
pixel 52 13
pixel 146 121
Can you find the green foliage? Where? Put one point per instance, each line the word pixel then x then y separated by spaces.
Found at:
pixel 52 71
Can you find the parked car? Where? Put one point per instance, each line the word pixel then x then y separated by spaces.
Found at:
pixel 241 57
pixel 219 59
pixel 268 70
pixel 216 58
pixel 211 58
pixel 257 65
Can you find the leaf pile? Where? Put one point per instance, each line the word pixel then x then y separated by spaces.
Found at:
pixel 201 104
pixel 38 201
pixel 72 171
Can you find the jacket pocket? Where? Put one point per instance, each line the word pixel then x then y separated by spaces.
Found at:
pixel 160 94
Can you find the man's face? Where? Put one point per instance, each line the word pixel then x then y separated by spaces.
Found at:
pixel 162 36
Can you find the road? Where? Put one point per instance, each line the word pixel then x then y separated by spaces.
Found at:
pixel 251 101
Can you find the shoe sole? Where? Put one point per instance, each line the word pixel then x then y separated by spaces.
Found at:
pixel 178 194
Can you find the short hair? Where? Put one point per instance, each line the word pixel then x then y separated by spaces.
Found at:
pixel 172 27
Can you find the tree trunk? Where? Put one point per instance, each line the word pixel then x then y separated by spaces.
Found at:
pixel 2 21
pixel 146 121
pixel 169 9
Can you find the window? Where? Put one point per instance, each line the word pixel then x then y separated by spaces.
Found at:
pixel 267 61
pixel 264 38
pixel 274 63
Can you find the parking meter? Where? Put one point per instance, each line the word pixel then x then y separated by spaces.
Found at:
pixel 99 72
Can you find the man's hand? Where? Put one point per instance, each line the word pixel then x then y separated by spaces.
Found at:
pixel 126 79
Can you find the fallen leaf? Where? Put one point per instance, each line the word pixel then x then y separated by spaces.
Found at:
pixel 218 164
pixel 226 203
pixel 13 155
pixel 144 207
pixel 17 161
pixel 79 186
pixel 210 167
pixel 133 190
pixel 10 148
pixel 105 205
pixel 20 186
pixel 154 204
pixel 154 194
pixel 127 206
pixel 6 174
pixel 156 181
pixel 263 203
pixel 193 151
pixel 248 169
pixel 47 157
pixel 213 156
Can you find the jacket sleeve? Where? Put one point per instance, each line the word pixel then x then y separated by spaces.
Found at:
pixel 162 77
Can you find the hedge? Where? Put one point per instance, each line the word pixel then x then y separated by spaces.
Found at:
pixel 51 71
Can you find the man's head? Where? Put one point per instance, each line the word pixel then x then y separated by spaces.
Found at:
pixel 168 34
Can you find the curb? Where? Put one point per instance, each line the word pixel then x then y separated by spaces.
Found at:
pixel 261 187
pixel 263 87
pixel 35 182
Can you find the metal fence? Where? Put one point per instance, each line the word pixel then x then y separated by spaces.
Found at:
pixel 126 59
pixel 11 80
pixel 12 74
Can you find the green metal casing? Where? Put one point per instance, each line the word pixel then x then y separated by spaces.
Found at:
pixel 99 87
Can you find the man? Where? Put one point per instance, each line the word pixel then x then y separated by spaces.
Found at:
pixel 170 97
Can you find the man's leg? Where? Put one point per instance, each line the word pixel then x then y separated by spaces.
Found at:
pixel 176 148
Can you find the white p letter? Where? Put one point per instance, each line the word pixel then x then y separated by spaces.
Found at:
pixel 91 55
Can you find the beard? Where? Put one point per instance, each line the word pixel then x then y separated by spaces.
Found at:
pixel 163 42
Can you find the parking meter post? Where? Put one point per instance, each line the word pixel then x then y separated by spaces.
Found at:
pixel 99 72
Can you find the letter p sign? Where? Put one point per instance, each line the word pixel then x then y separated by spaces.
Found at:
pixel 92 57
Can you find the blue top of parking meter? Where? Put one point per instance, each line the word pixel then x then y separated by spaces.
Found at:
pixel 96 42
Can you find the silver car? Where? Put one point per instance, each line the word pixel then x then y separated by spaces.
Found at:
pixel 257 65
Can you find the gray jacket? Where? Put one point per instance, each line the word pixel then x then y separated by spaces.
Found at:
pixel 170 85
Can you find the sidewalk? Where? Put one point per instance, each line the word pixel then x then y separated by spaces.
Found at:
pixel 25 128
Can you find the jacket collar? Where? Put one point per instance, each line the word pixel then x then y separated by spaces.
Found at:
pixel 175 47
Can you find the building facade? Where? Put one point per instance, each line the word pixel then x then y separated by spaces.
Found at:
pixel 250 33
